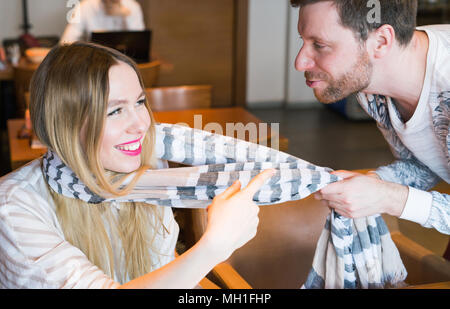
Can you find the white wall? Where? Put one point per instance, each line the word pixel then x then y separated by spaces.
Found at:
pixel 273 44
pixel 266 60
pixel 48 17
pixel 297 93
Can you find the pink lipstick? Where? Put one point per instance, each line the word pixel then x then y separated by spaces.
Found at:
pixel 132 148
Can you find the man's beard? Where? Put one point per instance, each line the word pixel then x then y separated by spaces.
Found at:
pixel 354 80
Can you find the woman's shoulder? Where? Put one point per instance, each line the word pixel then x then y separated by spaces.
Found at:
pixel 25 190
pixel 28 176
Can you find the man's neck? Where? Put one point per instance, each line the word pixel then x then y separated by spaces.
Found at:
pixel 402 75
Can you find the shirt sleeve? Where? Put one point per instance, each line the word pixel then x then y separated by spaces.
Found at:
pixel 429 209
pixel 35 253
pixel 440 213
pixel 418 206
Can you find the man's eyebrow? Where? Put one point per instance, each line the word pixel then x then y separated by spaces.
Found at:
pixel 320 39
pixel 315 38
pixel 118 102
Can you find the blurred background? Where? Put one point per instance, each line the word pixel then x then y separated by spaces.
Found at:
pixel 244 49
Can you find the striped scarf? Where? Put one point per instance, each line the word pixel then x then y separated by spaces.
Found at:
pixel 216 161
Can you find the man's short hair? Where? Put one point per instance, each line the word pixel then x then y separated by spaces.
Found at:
pixel 400 14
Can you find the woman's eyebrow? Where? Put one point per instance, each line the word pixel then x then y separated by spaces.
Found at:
pixel 122 101
pixel 142 94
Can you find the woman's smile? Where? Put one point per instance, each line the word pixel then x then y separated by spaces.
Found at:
pixel 132 148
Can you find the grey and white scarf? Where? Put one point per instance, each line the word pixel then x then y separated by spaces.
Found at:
pixel 361 251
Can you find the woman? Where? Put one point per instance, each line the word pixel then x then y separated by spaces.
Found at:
pixel 88 106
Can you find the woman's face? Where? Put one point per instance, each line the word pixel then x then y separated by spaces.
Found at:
pixel 127 121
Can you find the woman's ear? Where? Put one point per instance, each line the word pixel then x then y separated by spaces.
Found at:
pixel 381 41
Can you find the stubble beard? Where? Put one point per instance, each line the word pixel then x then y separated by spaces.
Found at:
pixel 356 79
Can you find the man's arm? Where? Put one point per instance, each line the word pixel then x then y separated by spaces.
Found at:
pixel 430 209
pixel 440 213
pixel 359 195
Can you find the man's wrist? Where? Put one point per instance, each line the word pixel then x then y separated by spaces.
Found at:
pixel 396 199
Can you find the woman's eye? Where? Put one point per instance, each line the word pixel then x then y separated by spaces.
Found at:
pixel 140 102
pixel 115 112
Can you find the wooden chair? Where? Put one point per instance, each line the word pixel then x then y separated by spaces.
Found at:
pixel 179 97
pixel 281 254
pixel 149 72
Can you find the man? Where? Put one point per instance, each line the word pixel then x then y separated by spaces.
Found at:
pixel 401 75
pixel 102 15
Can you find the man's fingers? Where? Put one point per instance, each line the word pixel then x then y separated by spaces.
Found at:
pixel 333 188
pixel 258 181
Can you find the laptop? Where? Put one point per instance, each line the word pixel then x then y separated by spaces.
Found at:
pixel 134 44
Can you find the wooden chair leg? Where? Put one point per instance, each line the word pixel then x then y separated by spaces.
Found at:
pixel 447 252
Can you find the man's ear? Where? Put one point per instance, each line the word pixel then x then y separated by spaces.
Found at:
pixel 381 41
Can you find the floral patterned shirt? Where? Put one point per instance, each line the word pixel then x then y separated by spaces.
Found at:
pixel 432 208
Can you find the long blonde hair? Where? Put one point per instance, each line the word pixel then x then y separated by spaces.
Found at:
pixel 70 89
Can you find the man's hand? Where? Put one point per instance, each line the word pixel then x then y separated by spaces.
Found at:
pixel 359 195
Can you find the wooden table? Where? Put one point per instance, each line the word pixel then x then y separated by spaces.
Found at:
pixel 21 152
pixel 24 63
pixel 7 73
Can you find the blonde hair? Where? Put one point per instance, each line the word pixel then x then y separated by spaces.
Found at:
pixel 69 91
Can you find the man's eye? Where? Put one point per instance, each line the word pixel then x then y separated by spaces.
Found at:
pixel 115 112
pixel 318 46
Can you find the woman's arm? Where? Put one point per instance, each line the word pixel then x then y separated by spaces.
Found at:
pixel 232 222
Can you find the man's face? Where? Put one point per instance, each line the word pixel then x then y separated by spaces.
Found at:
pixel 335 63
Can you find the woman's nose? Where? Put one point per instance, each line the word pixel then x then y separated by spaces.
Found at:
pixel 139 122
pixel 303 62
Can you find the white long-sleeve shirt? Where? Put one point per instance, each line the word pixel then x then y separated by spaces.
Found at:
pixel 89 16
pixel 33 250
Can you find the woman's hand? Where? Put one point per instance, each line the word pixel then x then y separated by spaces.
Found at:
pixel 359 195
pixel 233 216
pixel 232 221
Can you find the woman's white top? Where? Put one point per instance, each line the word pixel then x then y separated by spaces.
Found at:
pixel 33 250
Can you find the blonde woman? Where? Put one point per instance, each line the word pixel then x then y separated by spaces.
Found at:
pixel 88 106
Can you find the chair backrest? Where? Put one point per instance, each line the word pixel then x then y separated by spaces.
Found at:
pixel 179 97
pixel 22 78
pixel 149 72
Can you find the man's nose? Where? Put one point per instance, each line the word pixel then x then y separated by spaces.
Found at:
pixel 303 62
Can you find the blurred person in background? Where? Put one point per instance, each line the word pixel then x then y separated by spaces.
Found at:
pixel 102 15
